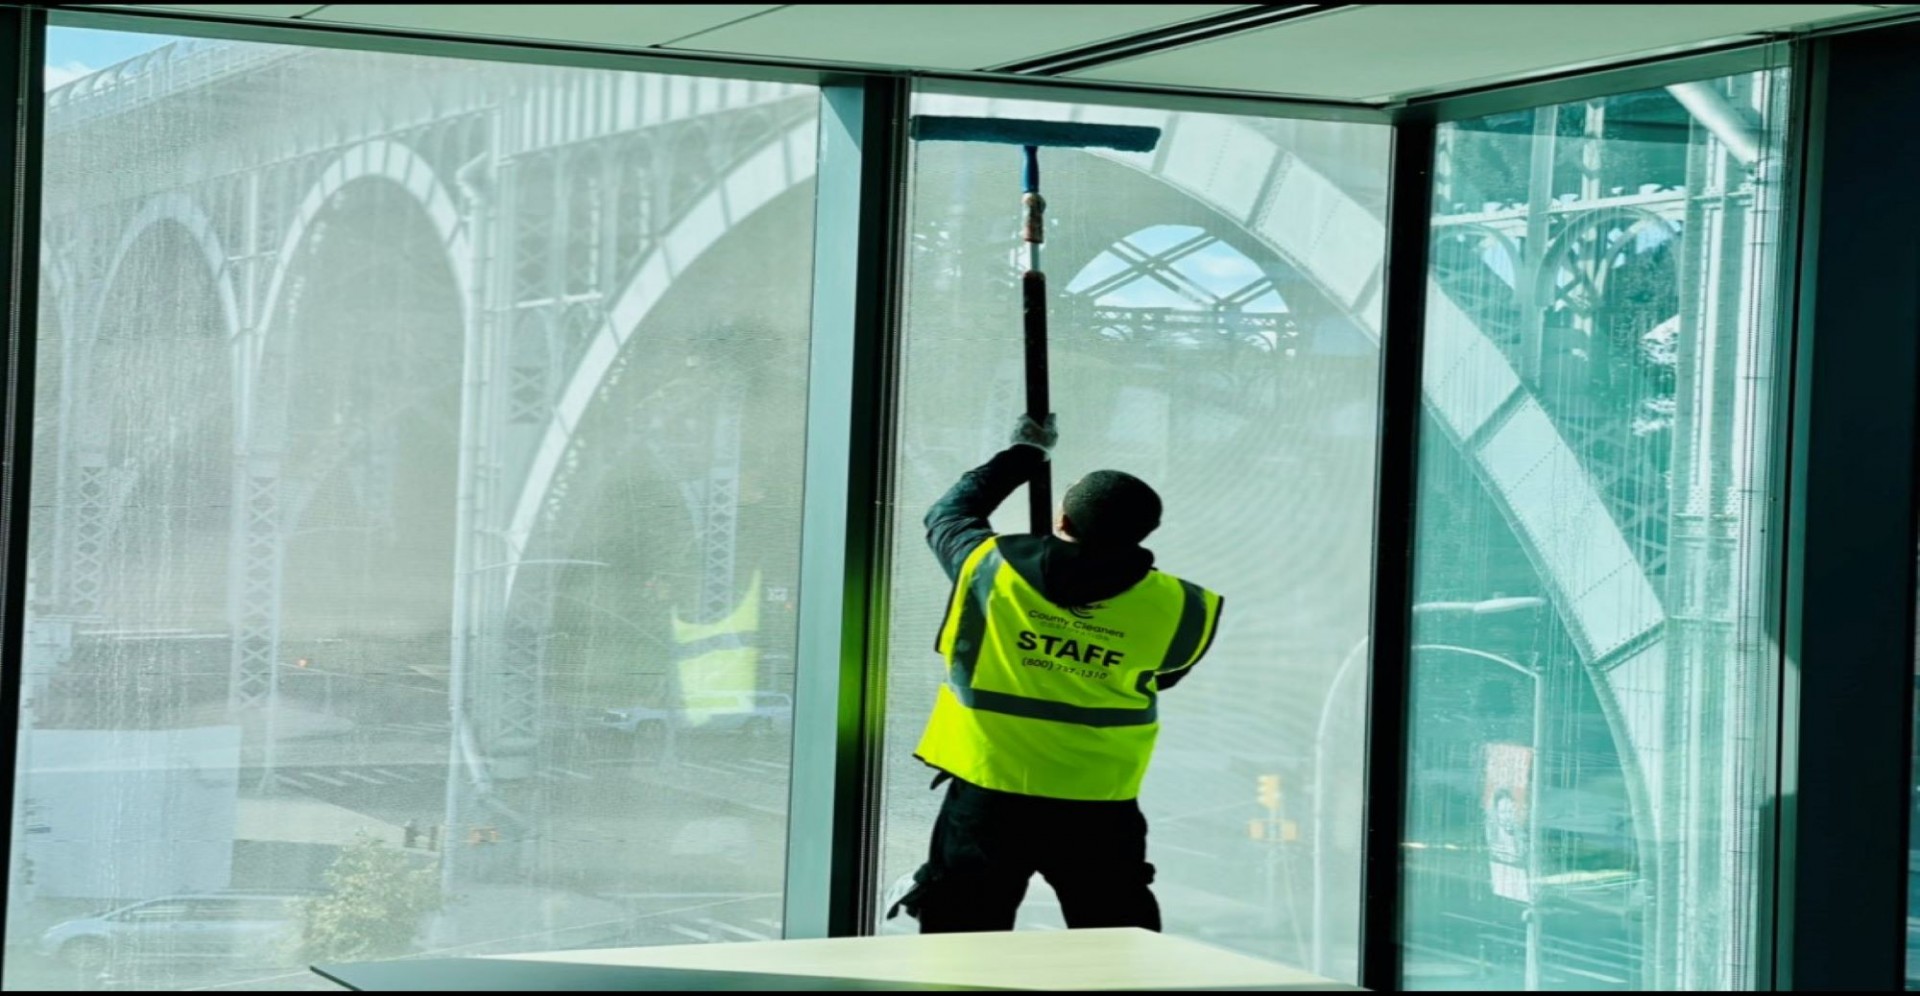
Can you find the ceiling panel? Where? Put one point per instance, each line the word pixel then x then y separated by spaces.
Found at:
pixel 604 24
pixel 1361 52
pixel 937 36
pixel 1378 52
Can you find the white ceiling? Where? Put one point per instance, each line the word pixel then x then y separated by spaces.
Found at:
pixel 928 36
pixel 1364 52
pixel 637 25
pixel 1376 52
pixel 937 36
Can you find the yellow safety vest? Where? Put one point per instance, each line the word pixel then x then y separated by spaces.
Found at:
pixel 1055 701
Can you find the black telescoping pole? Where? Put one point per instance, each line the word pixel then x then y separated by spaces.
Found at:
pixel 1033 308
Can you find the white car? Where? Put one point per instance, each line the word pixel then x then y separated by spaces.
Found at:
pixel 249 927
pixel 755 713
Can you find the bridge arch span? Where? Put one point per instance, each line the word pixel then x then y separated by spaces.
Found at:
pixel 182 210
pixel 783 163
pixel 380 160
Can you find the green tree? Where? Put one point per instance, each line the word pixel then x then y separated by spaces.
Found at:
pixel 377 898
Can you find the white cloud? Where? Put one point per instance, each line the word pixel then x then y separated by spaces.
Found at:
pixel 59 76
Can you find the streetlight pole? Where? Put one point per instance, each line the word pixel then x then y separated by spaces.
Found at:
pixel 475 180
pixel 1535 929
pixel 1321 953
pixel 1321 956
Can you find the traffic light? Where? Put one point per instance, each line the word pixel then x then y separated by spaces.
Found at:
pixel 1270 791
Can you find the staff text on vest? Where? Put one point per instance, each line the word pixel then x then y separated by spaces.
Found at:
pixel 1070 649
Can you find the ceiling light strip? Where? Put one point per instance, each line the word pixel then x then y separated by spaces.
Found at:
pixel 1135 45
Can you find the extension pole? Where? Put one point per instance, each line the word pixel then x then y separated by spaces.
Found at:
pixel 1033 305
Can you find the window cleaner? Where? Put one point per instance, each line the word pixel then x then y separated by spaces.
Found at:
pixel 1057 645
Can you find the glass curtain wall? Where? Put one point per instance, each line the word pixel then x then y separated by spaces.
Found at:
pixel 1214 330
pixel 416 510
pixel 1594 686
pixel 416 514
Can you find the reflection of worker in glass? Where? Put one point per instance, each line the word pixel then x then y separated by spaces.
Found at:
pixel 1506 838
pixel 1056 648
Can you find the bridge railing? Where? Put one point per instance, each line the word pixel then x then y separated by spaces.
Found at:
pixel 155 75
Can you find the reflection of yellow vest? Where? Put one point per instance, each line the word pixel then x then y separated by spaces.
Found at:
pixel 719 668
pixel 1058 702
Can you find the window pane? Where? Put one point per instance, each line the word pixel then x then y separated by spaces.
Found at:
pixel 1214 328
pixel 417 508
pixel 1592 677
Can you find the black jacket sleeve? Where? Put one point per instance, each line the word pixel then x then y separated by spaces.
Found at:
pixel 957 523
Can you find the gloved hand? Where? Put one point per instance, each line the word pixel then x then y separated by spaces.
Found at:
pixel 1029 432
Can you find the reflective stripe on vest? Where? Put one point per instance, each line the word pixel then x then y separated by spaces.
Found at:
pixel 1058 701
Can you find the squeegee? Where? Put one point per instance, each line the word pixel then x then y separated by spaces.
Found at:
pixel 1031 136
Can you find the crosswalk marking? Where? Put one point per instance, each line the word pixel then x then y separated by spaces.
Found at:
pixel 690 895
pixel 687 932
pixel 425 729
pixel 738 773
pixel 751 935
pixel 308 778
pixel 754 769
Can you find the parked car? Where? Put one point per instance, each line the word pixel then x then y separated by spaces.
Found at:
pixel 253 927
pixel 753 713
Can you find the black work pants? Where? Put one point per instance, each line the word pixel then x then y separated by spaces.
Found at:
pixel 987 845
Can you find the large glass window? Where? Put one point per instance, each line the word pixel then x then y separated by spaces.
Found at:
pixel 1592 682
pixel 1215 331
pixel 416 510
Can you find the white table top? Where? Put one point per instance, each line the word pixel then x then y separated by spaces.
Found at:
pixel 1116 959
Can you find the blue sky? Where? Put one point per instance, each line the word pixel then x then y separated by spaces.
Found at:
pixel 75 52
pixel 1198 278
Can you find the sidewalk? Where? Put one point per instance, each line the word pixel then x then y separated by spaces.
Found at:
pixel 290 722
pixel 297 820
